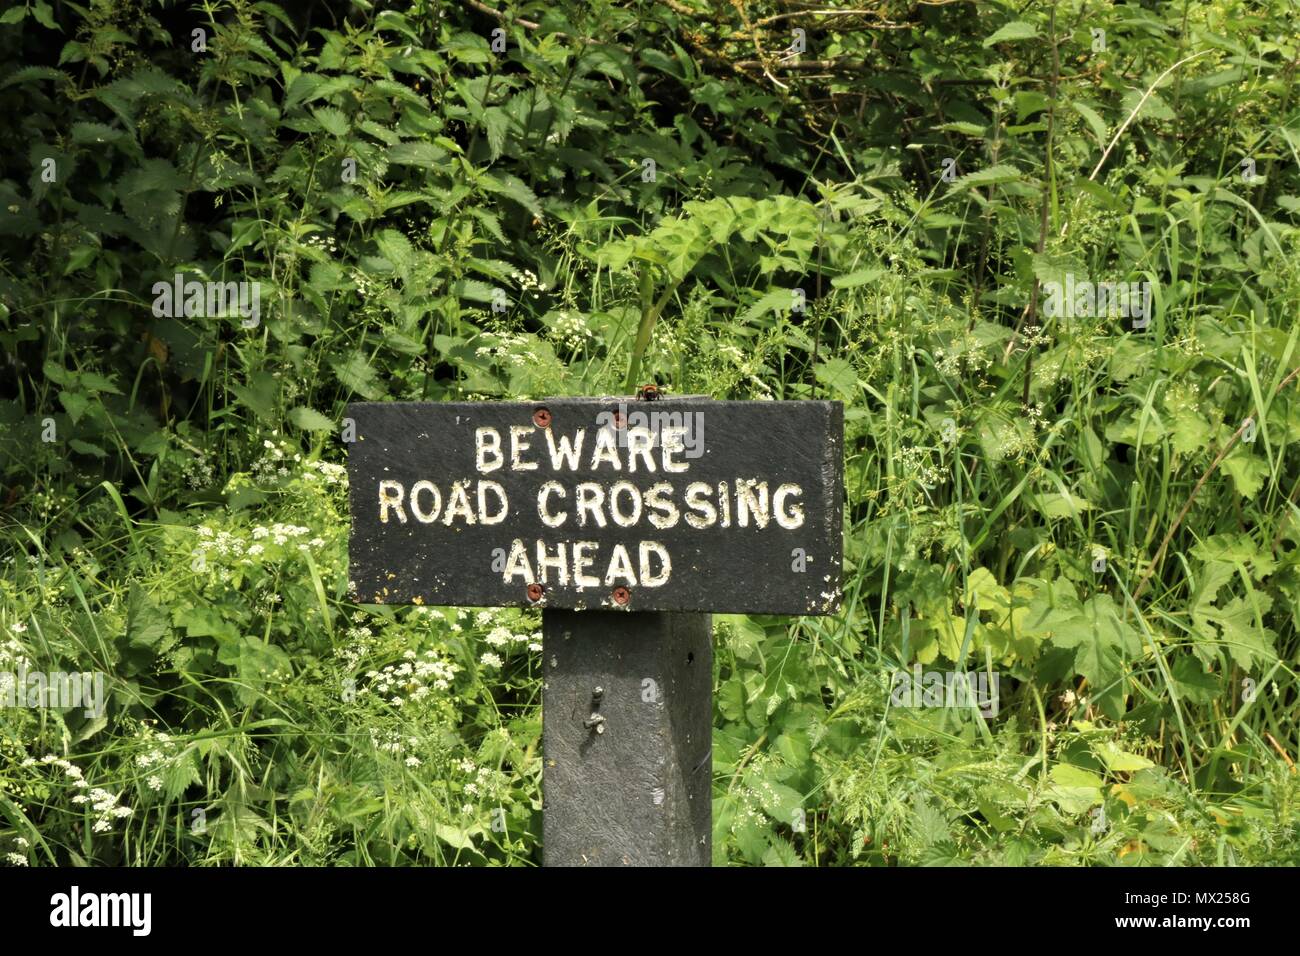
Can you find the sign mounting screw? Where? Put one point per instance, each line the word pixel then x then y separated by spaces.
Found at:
pixel 542 417
pixel 596 720
pixel 621 595
pixel 535 592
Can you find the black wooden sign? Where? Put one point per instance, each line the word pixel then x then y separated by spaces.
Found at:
pixel 669 505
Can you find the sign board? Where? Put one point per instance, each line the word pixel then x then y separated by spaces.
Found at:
pixel 677 504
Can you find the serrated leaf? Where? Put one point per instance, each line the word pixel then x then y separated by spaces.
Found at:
pixel 858 277
pixel 416 153
pixel 992 176
pixel 495 123
pixel 331 120
pixel 513 188
pixel 308 419
pixel 839 375
pixel 1247 473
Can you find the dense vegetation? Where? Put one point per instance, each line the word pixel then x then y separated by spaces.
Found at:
pixel 747 200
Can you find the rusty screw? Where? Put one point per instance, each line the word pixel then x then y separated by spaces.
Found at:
pixel 535 592
pixel 621 595
pixel 542 418
pixel 619 421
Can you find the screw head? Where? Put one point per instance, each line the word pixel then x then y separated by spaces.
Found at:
pixel 542 417
pixel 619 420
pixel 621 595
pixel 535 592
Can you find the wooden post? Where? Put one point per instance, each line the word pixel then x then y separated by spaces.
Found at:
pixel 626 738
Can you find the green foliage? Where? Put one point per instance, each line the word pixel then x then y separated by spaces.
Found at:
pixel 1072 501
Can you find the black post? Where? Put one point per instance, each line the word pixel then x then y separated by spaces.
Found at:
pixel 626 738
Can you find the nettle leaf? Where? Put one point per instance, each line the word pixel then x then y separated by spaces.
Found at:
pixel 992 176
pixel 1061 505
pixel 1092 118
pixel 29 74
pixel 359 375
pixel 397 249
pixel 513 188
pixel 308 419
pixel 95 134
pixel 146 622
pixel 777 301
pixel 150 191
pixel 181 773
pixel 858 277
pixel 74 403
pixel 1154 107
pixel 781 853
pixel 496 123
pixel 1191 431
pixel 333 121
pixel 839 375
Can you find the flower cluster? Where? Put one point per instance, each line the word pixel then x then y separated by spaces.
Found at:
pixel 105 804
pixel 485 782
pixel 215 544
pixel 392 742
pixel 274 463
pixel 416 676
pixel 319 243
pixel 361 641
pixel 197 470
pixel 326 471
pixel 13 656
pixel 571 331
pixel 156 758
pixel 528 282
pixel 505 347
pixel 501 637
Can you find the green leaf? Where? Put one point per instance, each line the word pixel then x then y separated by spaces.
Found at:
pixel 839 375
pixel 453 836
pixel 513 188
pixel 1247 472
pixel 1120 761
pixel 1012 32
pixel 781 853
pixel 992 176
pixel 308 419
pixel 416 153
pixel 206 622
pixel 74 403
pixel 331 120
pixel 858 277
pixel 1074 789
